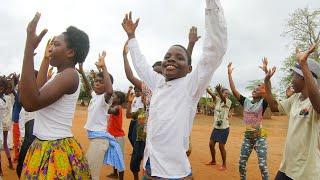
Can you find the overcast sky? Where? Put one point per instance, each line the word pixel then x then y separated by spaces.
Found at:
pixel 254 31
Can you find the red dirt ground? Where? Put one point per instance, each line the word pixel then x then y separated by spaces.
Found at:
pixel 277 128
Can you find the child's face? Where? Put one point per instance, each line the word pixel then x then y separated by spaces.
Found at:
pixel 116 99
pixel 258 91
pixel 297 82
pixel 175 63
pixel 9 90
pixel 225 93
pixel 58 51
pixel 289 91
pixel 98 85
pixel 157 69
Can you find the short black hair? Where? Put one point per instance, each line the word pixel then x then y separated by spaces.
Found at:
pixel 3 82
pixel 188 55
pixel 100 74
pixel 121 96
pixel 158 63
pixel 136 89
pixel 77 40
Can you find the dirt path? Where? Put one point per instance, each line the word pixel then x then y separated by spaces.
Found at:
pixel 200 155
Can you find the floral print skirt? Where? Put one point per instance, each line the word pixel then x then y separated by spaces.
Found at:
pixel 56 159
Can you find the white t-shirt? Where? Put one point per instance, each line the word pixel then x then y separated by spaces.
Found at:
pixel 221 113
pixel 97 113
pixel 136 104
pixel 24 117
pixel 301 157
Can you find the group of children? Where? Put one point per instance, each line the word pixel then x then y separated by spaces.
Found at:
pixel 162 109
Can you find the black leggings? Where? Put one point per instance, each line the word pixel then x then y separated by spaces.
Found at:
pixel 28 139
pixel 282 176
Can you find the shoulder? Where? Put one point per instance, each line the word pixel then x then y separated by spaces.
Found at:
pixel 68 79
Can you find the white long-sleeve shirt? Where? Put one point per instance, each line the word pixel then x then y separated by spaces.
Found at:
pixel 173 103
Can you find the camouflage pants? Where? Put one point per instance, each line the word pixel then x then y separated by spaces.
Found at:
pixel 259 144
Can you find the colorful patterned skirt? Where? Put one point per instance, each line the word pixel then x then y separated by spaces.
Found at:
pixel 57 159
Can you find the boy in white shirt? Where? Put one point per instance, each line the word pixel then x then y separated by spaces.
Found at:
pixel 97 112
pixel 176 94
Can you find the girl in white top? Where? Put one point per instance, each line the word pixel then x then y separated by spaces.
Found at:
pixel 54 154
pixel 176 94
pixel 101 100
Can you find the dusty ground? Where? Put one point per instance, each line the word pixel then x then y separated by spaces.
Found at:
pixel 277 127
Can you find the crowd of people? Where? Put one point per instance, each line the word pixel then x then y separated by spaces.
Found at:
pixel 39 107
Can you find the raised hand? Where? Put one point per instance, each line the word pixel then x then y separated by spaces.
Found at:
pixel 129 26
pixel 193 35
pixel 264 66
pixel 218 88
pixel 230 68
pixel 101 64
pixel 130 97
pixel 33 40
pixel 93 74
pixel 80 70
pixel 46 52
pixel 125 49
pixel 270 73
pixel 302 57
pixel 50 72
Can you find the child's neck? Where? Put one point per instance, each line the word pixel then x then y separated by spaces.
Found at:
pixel 304 93
pixel 256 99
pixel 65 66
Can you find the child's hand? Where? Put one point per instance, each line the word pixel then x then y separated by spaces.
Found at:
pixel 130 97
pixel 193 35
pixel 270 73
pixel 93 74
pixel 33 40
pixel 230 68
pixel 129 26
pixel 50 72
pixel 101 64
pixel 264 66
pixel 46 52
pixel 302 57
pixel 218 88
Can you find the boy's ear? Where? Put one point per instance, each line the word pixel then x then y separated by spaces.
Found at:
pixel 190 69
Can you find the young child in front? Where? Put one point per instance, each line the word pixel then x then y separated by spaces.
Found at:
pixel 175 95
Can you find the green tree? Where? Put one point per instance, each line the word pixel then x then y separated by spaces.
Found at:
pixel 303 28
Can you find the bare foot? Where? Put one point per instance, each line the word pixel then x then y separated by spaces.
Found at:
pixel 222 168
pixel 211 163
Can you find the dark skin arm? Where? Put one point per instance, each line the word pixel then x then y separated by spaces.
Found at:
pixel 273 104
pixel 87 85
pixel 106 78
pixel 313 89
pixel 135 81
pixel 193 38
pixel 129 103
pixel 42 74
pixel 211 94
pixel 114 110
pixel 231 83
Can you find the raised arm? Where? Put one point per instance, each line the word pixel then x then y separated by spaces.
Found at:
pixel 193 38
pixel 231 83
pixel 214 48
pixel 273 104
pixel 135 81
pixel 106 78
pixel 310 83
pixel 42 74
pixel 219 90
pixel 209 91
pixel 87 85
pixel 143 69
